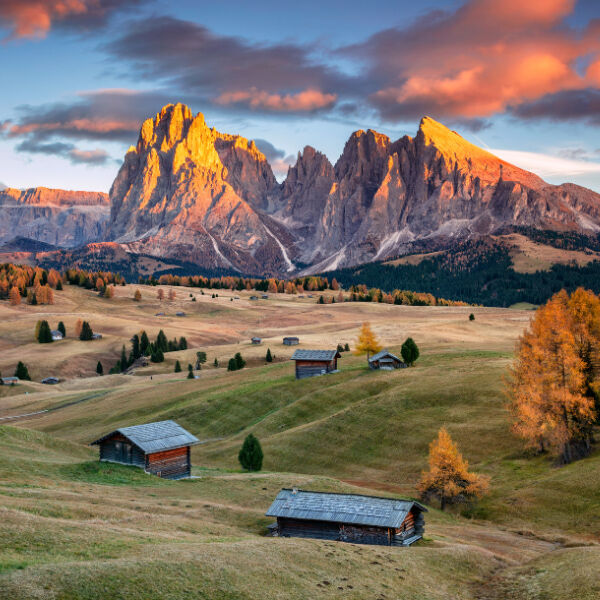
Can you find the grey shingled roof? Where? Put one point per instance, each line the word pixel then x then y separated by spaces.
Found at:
pixel 341 508
pixel 383 353
pixel 155 437
pixel 315 355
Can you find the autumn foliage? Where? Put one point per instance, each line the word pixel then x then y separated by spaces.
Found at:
pixel 554 381
pixel 448 479
pixel 367 343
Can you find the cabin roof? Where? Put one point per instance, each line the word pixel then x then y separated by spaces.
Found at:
pixel 383 354
pixel 315 355
pixel 291 337
pixel 341 508
pixel 155 437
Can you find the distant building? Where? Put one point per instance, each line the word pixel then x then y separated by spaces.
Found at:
pixel 51 380
pixel 96 336
pixel 310 363
pixel 161 448
pixel 291 341
pixel 253 297
pixel 10 380
pixel 56 335
pixel 265 296
pixel 256 341
pixel 386 360
pixel 180 314
pixel 347 518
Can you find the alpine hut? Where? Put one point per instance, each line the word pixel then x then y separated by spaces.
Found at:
pixel 310 363
pixel 256 341
pixel 386 360
pixel 161 448
pixel 347 518
pixel 291 341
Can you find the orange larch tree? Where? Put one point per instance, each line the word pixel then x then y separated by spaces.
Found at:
pixel 367 343
pixel 14 296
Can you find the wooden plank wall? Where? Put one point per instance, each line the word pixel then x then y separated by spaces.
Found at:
pixel 170 464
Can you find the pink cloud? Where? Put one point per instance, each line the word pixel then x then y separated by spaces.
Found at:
pixel 305 101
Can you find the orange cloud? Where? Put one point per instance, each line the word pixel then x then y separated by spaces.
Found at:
pixel 308 100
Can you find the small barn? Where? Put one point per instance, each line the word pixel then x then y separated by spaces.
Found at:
pixel 265 296
pixel 386 360
pixel 161 448
pixel 256 341
pixel 291 341
pixel 51 380
pixel 347 518
pixel 310 363
pixel 10 380
pixel 56 335
pixel 96 336
pixel 253 297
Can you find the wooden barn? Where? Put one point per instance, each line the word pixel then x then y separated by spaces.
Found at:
pixel 386 360
pixel 310 363
pixel 256 341
pixel 161 448
pixel 347 518
pixel 291 341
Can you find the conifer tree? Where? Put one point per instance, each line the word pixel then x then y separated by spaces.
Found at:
pixel 251 454
pixel 59 286
pixel 144 344
pixel 232 365
pixel 190 374
pixel 86 332
pixel 471 317
pixel 269 357
pixel 177 367
pixel 36 333
pixel 14 296
pixel 1 380
pixel 409 352
pixel 216 362
pixel 135 347
pixel 124 362
pixel 161 341
pixel 21 372
pixel 62 329
pixel 367 343
pixel 240 363
pixel 157 356
pixel 346 347
pixel 448 478
pixel 44 334
pixel 182 343
pixel 99 369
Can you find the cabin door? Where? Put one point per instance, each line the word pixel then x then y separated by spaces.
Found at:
pixel 123 452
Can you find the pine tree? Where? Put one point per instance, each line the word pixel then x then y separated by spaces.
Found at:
pixel 1 380
pixel 157 356
pixel 86 332
pixel 62 329
pixel 161 341
pixel 99 369
pixel 269 357
pixel 190 374
pixel 367 343
pixel 44 334
pixel 346 347
pixel 232 365
pixel 177 367
pixel 182 343
pixel 320 300
pixel 36 333
pixel 144 344
pixel 240 363
pixel 59 286
pixel 124 362
pixel 251 454
pixel 21 372
pixel 448 478
pixel 216 362
pixel 135 347
pixel 409 352
pixel 471 317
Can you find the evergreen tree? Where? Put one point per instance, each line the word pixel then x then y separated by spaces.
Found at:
pixel 1 380
pixel 59 286
pixel 157 356
pixel 340 348
pixel 232 365
pixel 321 301
pixel 177 367
pixel 190 374
pixel 136 350
pixel 346 347
pixel 144 344
pixel 86 332
pixel 21 372
pixel 99 369
pixel 45 335
pixel 216 362
pixel 161 341
pixel 182 343
pixel 36 333
pixel 269 357
pixel 410 352
pixel 62 329
pixel 251 454
pixel 200 357
pixel 124 362
pixel 471 317
pixel 239 361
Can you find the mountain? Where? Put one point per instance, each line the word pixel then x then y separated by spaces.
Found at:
pixel 57 217
pixel 187 191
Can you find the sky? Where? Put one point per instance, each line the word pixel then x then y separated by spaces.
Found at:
pixel 78 77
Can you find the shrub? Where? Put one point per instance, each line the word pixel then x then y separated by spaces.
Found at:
pixel 251 454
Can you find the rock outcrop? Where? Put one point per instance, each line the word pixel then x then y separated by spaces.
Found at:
pixel 58 217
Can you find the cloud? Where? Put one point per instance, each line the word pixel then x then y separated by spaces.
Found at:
pixel 280 163
pixel 227 70
pixel 95 157
pixel 34 18
pixel 546 165
pixel 306 101
pixel 477 61
pixel 271 152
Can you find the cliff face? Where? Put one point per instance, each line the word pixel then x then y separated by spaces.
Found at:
pixel 58 217
pixel 187 191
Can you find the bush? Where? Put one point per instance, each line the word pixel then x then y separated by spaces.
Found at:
pixel 410 352
pixel 44 334
pixel 251 454
pixel 21 372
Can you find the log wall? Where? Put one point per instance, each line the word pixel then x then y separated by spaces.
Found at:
pixel 170 464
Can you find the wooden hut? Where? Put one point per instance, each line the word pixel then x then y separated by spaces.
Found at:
pixel 386 360
pixel 347 518
pixel 56 335
pixel 310 363
pixel 51 380
pixel 291 341
pixel 256 341
pixel 161 448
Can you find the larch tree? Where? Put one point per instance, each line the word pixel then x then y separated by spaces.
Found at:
pixel 448 478
pixel 160 294
pixel 172 294
pixel 137 296
pixel 367 343
pixel 14 296
pixel 553 381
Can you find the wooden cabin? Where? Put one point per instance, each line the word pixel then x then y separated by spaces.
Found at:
pixel 161 448
pixel 347 518
pixel 310 363
pixel 10 380
pixel 256 341
pixel 291 341
pixel 51 380
pixel 386 360
pixel 56 335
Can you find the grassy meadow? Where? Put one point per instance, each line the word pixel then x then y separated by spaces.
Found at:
pixel 73 528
